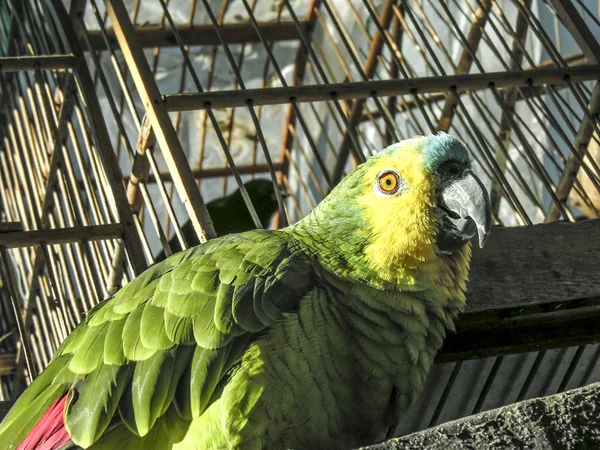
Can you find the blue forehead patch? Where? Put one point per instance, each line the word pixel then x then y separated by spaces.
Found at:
pixel 441 147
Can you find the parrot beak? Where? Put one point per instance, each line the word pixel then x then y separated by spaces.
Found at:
pixel 465 211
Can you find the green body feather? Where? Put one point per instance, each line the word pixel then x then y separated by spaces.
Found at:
pixel 267 339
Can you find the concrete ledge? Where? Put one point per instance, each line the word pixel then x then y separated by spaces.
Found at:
pixel 570 420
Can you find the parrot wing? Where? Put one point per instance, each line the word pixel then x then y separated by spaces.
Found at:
pixel 167 338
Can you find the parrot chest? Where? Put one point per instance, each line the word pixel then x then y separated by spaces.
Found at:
pixel 339 371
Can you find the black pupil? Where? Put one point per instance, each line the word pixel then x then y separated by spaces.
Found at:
pixel 388 182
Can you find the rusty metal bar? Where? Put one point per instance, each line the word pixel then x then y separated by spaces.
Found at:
pixel 297 79
pixel 8 277
pixel 397 36
pixel 356 148
pixel 357 107
pixel 383 88
pixel 15 239
pixel 217 172
pixel 492 163
pixel 27 63
pixel 573 60
pixel 510 99
pixel 576 25
pixel 405 70
pixel 233 33
pixel 591 49
pixel 101 136
pixel 239 80
pixel 465 61
pixel 282 217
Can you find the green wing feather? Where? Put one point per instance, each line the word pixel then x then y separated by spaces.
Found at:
pixel 32 404
pixel 97 400
pixel 157 352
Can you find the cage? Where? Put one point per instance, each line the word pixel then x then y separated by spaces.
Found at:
pixel 120 120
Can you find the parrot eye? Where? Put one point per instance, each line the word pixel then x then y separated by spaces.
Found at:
pixel 389 182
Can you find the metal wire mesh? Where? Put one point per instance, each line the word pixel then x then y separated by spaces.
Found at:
pixel 184 101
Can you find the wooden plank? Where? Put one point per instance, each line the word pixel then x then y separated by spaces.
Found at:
pixel 531 288
pixel 539 265
pixel 508 336
pixel 233 33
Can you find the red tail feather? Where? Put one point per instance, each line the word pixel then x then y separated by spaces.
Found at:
pixel 50 432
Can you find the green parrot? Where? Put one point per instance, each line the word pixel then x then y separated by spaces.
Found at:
pixel 230 213
pixel 316 336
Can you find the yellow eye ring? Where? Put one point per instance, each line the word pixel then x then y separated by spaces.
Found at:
pixel 389 182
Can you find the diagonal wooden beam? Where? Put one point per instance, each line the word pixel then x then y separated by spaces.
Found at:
pixel 164 131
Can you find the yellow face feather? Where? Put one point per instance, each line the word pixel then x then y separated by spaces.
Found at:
pixel 403 226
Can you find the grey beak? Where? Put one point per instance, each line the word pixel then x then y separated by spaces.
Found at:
pixel 466 212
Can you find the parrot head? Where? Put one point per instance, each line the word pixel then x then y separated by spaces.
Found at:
pixel 414 202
